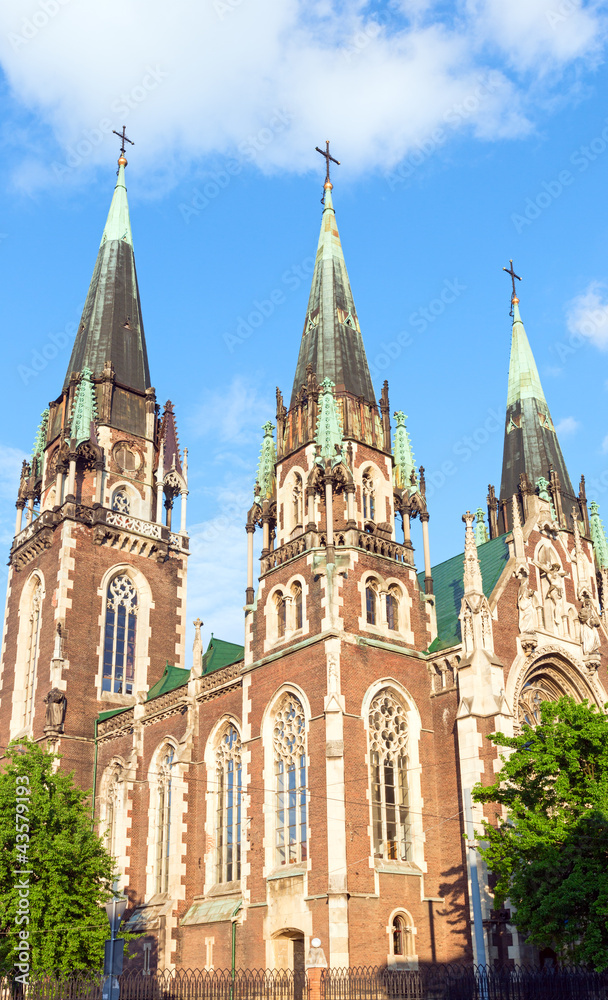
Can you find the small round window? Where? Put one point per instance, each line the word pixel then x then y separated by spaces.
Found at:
pixel 126 457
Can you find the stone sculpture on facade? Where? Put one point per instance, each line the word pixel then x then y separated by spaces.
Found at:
pixel 56 703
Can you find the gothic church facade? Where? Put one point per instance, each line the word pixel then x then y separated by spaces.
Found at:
pixel 315 780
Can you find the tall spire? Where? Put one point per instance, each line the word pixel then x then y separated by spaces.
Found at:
pixel 111 327
pixel 531 445
pixel 331 340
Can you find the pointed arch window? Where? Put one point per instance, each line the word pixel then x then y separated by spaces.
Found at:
pixel 229 800
pixel 401 936
pixel 392 608
pixel 296 592
pixel 369 497
pixel 281 614
pixel 289 741
pixel 33 648
pixel 119 636
pixel 388 744
pixel 121 502
pixel 298 501
pixel 163 819
pixel 370 602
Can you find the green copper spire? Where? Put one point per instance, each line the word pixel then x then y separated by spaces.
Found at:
pixel 331 340
pixel 329 429
pixel 524 380
pixel 40 443
pixel 403 455
pixel 118 223
pixel 268 457
pixel 598 535
pixel 84 410
pixel 481 532
pixel 111 327
pixel 531 446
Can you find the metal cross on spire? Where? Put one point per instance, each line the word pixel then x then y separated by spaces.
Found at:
pixel 124 137
pixel 325 152
pixel 510 271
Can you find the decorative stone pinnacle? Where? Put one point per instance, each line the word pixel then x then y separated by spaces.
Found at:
pixel 268 457
pixel 84 411
pixel 481 532
pixel 329 429
pixel 403 455
pixel 598 535
pixel 472 580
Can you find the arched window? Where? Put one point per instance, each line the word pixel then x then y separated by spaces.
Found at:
pixel 281 613
pixel 298 501
pixel 33 647
pixel 402 945
pixel 369 498
pixel 296 591
pixel 388 740
pixel 289 740
pixel 370 602
pixel 163 819
pixel 119 636
pixel 121 502
pixel 392 608
pixel 228 815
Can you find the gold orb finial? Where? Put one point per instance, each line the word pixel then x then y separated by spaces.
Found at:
pixel 328 186
pixel 122 161
pixel 515 300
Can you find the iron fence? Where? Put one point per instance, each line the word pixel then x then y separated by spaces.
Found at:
pixel 431 982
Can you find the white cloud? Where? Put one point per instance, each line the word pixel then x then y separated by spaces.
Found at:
pixel 567 426
pixel 268 80
pixel 232 414
pixel 587 315
pixel 605 445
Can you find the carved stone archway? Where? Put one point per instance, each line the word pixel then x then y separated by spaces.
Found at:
pixel 547 675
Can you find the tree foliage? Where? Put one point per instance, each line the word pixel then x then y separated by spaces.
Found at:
pixel 71 870
pixel 550 854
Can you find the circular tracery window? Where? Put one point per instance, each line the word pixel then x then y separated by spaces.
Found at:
pixel 126 457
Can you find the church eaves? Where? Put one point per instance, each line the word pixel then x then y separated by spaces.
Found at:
pixel 111 327
pixel 531 445
pixel 331 340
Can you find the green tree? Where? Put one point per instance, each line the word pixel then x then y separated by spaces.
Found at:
pixel 71 872
pixel 550 854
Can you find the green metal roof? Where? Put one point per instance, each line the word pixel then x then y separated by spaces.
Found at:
pixel 173 677
pixel 210 911
pixel 448 588
pixel 113 711
pixel 221 654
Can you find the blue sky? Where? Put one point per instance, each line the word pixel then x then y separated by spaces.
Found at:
pixel 468 134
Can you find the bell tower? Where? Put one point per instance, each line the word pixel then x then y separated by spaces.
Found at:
pixel 97 578
pixel 338 623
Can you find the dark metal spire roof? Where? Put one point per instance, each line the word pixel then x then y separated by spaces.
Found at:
pixel 531 444
pixel 331 341
pixel 111 327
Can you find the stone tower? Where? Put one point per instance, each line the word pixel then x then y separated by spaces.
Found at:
pixel 336 627
pixel 97 579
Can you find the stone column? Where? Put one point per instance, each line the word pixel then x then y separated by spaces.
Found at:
pixel 19 521
pixel 99 482
pixel 329 510
pixel 182 528
pixel 30 509
pixel 428 579
pixel 71 494
pixel 249 594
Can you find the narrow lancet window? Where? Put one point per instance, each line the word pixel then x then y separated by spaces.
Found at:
pixel 229 794
pixel 388 736
pixel 120 636
pixel 290 777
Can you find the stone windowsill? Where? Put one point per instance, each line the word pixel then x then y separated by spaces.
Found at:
pixel 287 871
pixel 396 867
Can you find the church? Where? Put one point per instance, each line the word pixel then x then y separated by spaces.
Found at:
pixel 316 780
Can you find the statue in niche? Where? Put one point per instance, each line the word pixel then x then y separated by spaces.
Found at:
pixel 525 605
pixel 553 573
pixel 590 624
pixel 55 702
